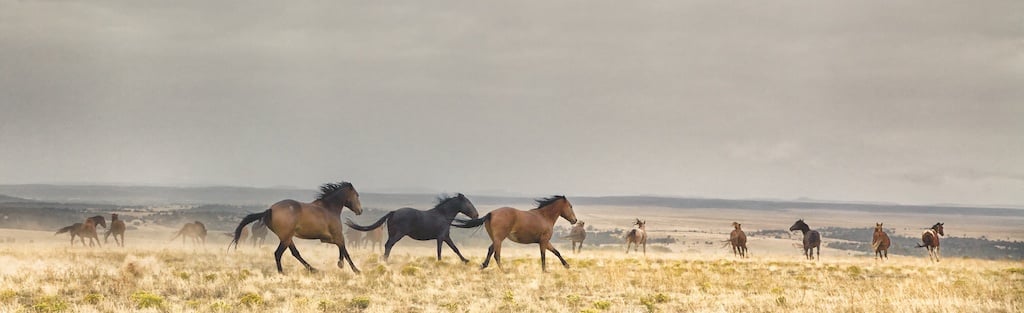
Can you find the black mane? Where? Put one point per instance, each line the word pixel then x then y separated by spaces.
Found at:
pixel 546 201
pixel 329 189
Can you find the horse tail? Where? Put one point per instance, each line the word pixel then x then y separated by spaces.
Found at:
pixel 473 222
pixel 370 227
pixel 64 230
pixel 264 217
pixel 875 245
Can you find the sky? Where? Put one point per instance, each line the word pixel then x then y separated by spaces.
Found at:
pixel 917 102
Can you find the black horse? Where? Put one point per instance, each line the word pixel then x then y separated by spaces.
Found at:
pixel 812 239
pixel 432 224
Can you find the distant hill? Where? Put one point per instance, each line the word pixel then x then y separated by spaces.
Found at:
pixel 247 196
pixel 6 199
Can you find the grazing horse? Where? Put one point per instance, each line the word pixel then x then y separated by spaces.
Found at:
pixel 117 228
pixel 637 236
pixel 738 240
pixel 84 230
pixel 194 230
pixel 259 233
pixel 320 219
pixel 526 227
pixel 812 239
pixel 880 242
pixel 930 241
pixel 373 238
pixel 433 224
pixel 577 235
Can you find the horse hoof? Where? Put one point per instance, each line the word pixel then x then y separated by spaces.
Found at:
pixel 341 264
pixel 355 271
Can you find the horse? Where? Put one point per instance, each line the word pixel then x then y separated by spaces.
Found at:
pixel 577 235
pixel 930 241
pixel 433 224
pixel 195 230
pixel 373 238
pixel 812 239
pixel 637 236
pixel 353 237
pixel 738 240
pixel 525 227
pixel 117 228
pixel 320 219
pixel 242 238
pixel 880 242
pixel 84 230
pixel 259 233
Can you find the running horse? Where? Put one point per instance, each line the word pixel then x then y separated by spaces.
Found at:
pixel 577 235
pixel 637 236
pixel 84 230
pixel 320 219
pixel 738 240
pixel 930 241
pixel 880 242
pixel 812 239
pixel 433 224
pixel 117 228
pixel 525 227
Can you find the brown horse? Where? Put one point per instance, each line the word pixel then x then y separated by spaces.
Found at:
pixel 117 228
pixel 526 227
pixel 738 240
pixel 353 237
pixel 880 242
pixel 320 219
pixel 84 230
pixel 637 236
pixel 374 238
pixel 930 241
pixel 194 230
pixel 259 234
pixel 577 235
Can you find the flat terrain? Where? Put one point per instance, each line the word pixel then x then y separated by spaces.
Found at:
pixel 154 275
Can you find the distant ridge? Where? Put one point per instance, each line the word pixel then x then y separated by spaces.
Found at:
pixel 7 199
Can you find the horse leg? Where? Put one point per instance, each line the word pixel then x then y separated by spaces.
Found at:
pixel 497 254
pixel 452 246
pixel 277 255
pixel 343 255
pixel 295 253
pixel 439 241
pixel 556 253
pixel 487 260
pixel 645 247
pixel 391 243
pixel 543 257
pixel 938 254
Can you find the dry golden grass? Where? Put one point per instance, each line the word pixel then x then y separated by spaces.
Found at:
pixel 160 276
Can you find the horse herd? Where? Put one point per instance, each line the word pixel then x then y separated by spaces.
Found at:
pixel 321 220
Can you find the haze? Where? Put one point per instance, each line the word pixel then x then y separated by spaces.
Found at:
pixel 917 102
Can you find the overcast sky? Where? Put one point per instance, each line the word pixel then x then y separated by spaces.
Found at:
pixel 861 100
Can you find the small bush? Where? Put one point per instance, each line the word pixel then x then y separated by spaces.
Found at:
pixel 183 275
pixel 220 306
pixel 145 299
pixel 8 296
pixel 251 300
pixel 327 306
pixel 410 270
pixel 360 303
pixel 509 296
pixel 50 304
pixel 93 298
pixel 572 299
pixel 602 305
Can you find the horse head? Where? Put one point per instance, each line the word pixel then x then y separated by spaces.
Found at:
pixel 799 225
pixel 567 212
pixel 938 229
pixel 99 220
pixel 736 225
pixel 340 195
pixel 466 207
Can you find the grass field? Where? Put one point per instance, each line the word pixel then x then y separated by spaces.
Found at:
pixel 158 276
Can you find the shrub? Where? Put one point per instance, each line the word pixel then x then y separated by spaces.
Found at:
pixel 145 299
pixel 50 304
pixel 602 305
pixel 251 300
pixel 359 303
pixel 93 298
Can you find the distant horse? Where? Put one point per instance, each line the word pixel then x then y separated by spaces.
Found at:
pixel 194 230
pixel 373 238
pixel 353 237
pixel 84 230
pixel 259 233
pixel 880 242
pixel 577 235
pixel 738 240
pixel 812 239
pixel 243 237
pixel 320 219
pixel 637 236
pixel 117 228
pixel 930 241
pixel 433 224
pixel 526 227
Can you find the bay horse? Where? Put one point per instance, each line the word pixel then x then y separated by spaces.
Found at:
pixel 738 240
pixel 86 229
pixel 525 227
pixel 930 241
pixel 117 228
pixel 433 224
pixel 320 219
pixel 637 236
pixel 577 235
pixel 259 233
pixel 195 230
pixel 373 238
pixel 812 239
pixel 880 242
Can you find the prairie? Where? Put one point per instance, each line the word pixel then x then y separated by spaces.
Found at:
pixel 154 275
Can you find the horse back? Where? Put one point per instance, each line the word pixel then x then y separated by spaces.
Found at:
pixel 813 239
pixel 930 239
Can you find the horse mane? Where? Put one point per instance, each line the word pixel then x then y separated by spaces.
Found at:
pixel 542 202
pixel 327 190
pixel 444 197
